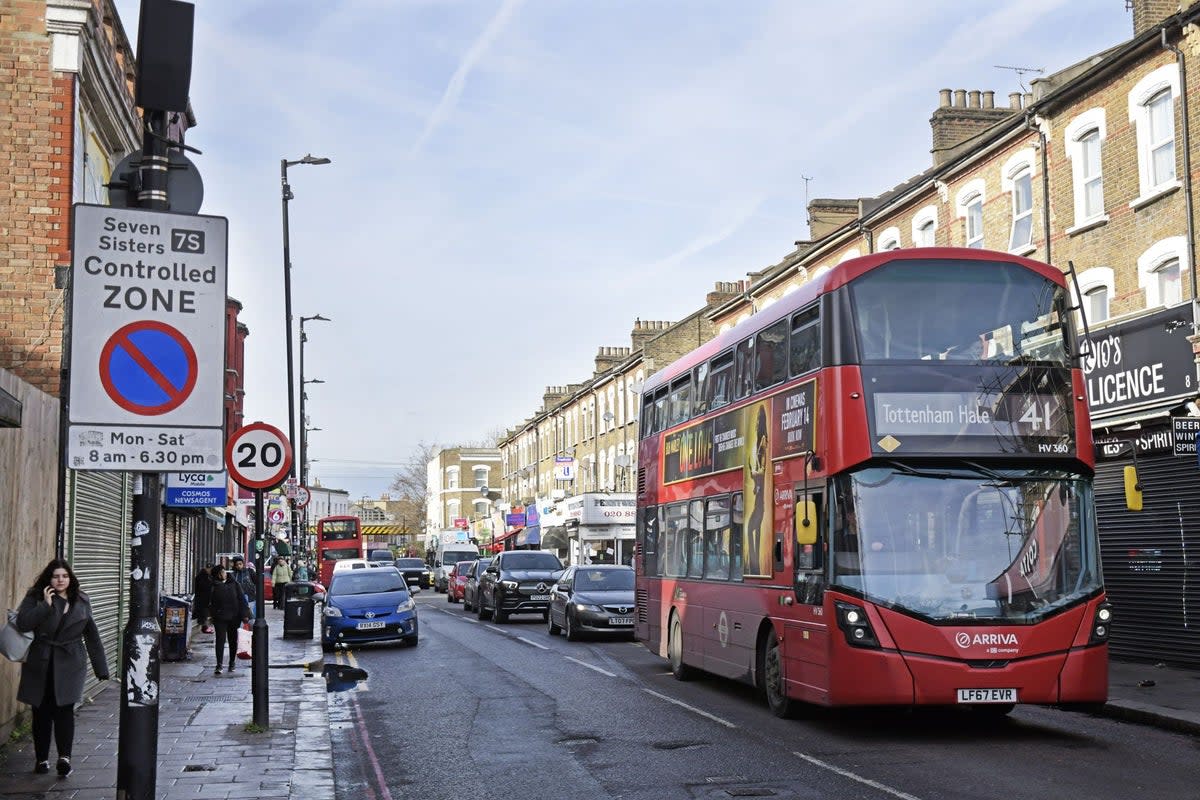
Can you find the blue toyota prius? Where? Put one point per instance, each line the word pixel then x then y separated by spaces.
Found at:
pixel 368 605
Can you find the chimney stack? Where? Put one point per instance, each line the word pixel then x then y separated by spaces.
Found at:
pixel 1148 13
pixel 958 120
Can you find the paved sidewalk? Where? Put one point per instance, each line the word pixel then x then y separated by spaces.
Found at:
pixel 204 750
pixel 1158 695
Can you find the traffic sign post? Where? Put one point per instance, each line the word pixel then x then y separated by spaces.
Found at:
pixel 148 293
pixel 259 457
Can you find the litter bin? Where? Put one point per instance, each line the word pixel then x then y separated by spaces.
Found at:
pixel 174 612
pixel 299 610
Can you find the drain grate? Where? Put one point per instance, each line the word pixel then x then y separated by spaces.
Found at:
pixel 750 792
pixel 683 745
pixel 206 698
pixel 199 767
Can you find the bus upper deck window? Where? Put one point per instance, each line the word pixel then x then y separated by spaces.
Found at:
pixel 700 390
pixel 771 355
pixel 720 379
pixel 805 342
pixel 744 363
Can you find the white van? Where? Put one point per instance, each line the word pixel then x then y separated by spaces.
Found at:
pixel 451 548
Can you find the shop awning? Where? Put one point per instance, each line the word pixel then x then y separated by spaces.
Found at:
pixel 554 538
pixel 498 543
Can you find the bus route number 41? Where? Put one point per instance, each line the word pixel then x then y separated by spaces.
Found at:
pixel 258 456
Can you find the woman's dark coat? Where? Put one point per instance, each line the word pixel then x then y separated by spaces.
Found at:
pixel 203 594
pixel 70 660
pixel 227 602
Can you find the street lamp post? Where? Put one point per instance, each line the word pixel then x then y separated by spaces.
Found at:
pixel 287 301
pixel 303 451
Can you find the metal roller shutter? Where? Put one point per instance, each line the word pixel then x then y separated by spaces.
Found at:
pixel 99 530
pixel 1152 559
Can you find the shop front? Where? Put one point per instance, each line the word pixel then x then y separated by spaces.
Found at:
pixel 1141 383
pixel 600 528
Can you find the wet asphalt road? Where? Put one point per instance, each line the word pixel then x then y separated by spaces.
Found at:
pixel 504 712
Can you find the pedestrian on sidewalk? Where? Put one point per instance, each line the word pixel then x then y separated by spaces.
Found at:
pixel 244 577
pixel 281 575
pixel 65 634
pixel 229 610
pixel 201 594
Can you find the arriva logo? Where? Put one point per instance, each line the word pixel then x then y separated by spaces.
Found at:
pixel 964 639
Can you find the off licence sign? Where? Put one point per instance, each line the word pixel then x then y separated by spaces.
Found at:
pixel 148 292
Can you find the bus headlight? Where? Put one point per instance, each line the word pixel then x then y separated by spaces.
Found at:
pixel 855 627
pixel 1101 624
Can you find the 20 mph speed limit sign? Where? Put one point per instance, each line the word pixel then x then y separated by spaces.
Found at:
pixel 258 456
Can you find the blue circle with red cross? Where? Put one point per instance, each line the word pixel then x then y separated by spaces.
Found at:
pixel 148 367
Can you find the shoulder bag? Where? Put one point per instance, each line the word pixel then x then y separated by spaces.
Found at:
pixel 14 644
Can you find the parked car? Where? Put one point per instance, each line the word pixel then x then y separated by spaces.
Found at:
pixel 518 582
pixel 592 598
pixel 415 571
pixel 471 585
pixel 457 578
pixel 383 557
pixel 368 605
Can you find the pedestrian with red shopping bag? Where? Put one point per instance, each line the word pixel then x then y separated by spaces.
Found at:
pixel 228 609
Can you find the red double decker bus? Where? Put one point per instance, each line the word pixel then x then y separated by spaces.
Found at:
pixel 338 538
pixel 878 491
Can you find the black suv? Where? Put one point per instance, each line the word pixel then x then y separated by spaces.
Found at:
pixel 517 582
pixel 414 570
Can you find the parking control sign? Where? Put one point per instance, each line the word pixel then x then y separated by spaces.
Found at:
pixel 148 293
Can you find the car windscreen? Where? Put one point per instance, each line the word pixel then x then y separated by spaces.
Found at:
pixel 410 563
pixel 531 560
pixel 461 568
pixel 604 580
pixel 372 582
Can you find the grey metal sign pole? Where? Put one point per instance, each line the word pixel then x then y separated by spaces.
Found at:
pixel 137 742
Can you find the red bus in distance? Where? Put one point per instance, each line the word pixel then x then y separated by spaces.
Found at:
pixel 338 538
pixel 878 491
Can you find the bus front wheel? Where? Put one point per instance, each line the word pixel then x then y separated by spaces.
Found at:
pixel 681 671
pixel 774 686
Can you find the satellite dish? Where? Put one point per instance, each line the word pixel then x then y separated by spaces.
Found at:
pixel 636 387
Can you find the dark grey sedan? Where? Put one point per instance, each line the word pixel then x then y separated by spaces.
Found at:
pixel 593 598
pixel 471 590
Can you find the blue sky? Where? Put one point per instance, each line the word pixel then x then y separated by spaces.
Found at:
pixel 515 181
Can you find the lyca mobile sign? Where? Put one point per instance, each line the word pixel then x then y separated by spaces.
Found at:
pixel 147 341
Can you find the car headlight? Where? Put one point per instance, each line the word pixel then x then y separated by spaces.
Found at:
pixel 589 607
pixel 332 611
pixel 508 584
pixel 407 605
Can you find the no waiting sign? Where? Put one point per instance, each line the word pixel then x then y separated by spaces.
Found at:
pixel 148 292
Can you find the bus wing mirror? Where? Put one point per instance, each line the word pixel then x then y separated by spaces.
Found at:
pixel 806 522
pixel 1133 490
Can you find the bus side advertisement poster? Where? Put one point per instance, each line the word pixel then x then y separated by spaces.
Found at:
pixel 718 444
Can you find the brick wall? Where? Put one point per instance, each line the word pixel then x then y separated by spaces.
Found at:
pixel 36 124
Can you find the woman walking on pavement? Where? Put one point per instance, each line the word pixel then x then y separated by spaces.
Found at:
pixel 65 634
pixel 228 608
pixel 281 576
pixel 202 591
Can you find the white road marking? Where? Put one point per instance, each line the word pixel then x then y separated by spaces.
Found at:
pixel 592 667
pixel 497 628
pixel 693 709
pixel 535 644
pixel 854 777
